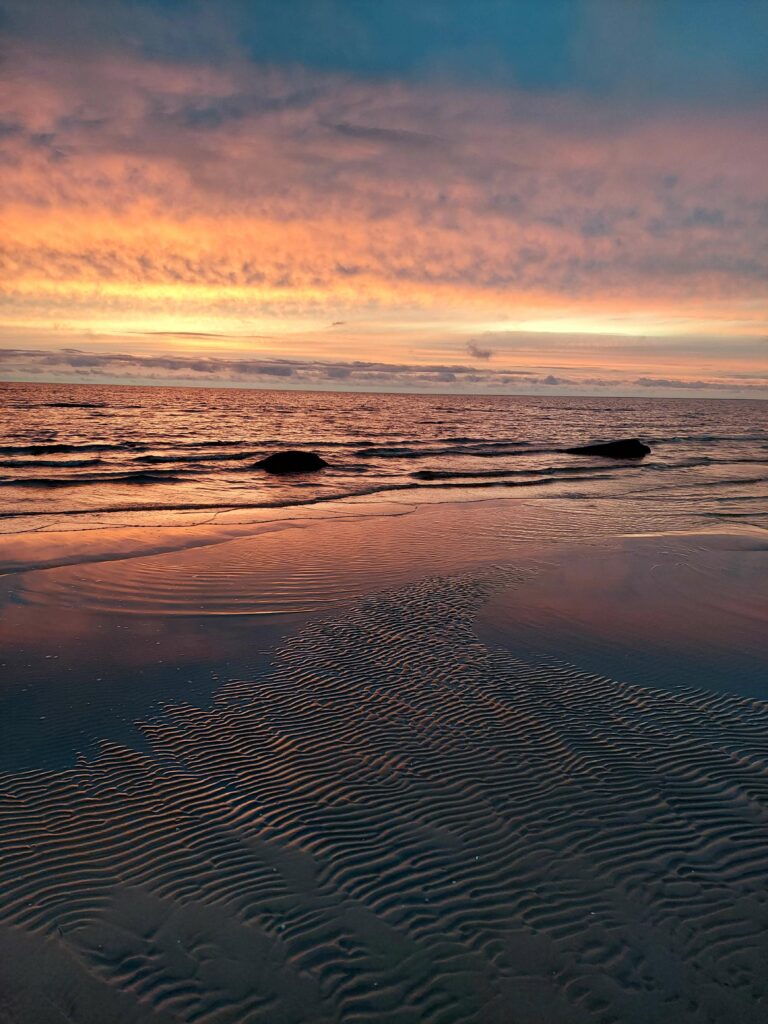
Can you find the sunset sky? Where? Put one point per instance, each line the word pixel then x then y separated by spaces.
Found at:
pixel 555 196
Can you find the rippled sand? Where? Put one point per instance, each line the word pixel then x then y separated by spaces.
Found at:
pixel 397 820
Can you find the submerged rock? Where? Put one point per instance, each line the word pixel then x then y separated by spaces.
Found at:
pixel 630 448
pixel 292 462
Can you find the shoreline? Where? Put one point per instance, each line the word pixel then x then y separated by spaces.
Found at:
pixel 86 543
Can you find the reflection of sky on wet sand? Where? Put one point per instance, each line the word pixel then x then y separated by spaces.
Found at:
pixel 87 649
pixel 659 611
pixel 72 677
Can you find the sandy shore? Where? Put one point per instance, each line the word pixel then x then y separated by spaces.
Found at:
pixel 424 802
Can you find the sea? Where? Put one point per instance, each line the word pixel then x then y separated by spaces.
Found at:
pixel 78 456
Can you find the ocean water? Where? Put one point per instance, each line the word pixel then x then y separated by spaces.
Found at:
pixel 81 455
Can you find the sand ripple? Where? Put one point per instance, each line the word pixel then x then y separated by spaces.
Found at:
pixel 400 824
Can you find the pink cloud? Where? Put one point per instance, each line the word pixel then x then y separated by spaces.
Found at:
pixel 178 187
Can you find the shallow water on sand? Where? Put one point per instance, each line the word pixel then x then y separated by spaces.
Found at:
pixel 674 611
pixel 88 648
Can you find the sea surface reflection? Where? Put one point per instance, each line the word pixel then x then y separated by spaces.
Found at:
pixel 73 677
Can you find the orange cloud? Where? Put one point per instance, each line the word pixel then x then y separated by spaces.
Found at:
pixel 140 193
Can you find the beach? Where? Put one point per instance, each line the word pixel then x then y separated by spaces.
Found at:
pixel 439 754
pixel 383 512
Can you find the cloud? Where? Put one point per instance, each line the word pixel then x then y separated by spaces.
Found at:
pixel 394 136
pixel 144 184
pixel 101 366
pixel 476 350
pixel 692 385
pixel 136 174
pixel 218 367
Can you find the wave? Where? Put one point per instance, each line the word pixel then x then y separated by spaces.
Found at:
pixel 488 450
pixel 460 445
pixel 204 444
pixel 694 462
pixel 488 442
pixel 48 463
pixel 761 436
pixel 206 506
pixel 282 503
pixel 730 482
pixel 71 405
pixel 61 448
pixel 145 476
pixel 206 457
pixel 449 474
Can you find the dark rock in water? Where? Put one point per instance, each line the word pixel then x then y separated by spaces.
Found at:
pixel 292 462
pixel 630 448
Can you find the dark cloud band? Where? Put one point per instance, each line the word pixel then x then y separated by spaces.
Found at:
pixel 73 363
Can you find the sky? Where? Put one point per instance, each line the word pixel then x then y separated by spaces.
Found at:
pixel 506 196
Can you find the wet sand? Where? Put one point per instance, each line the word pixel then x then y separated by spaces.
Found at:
pixel 427 800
